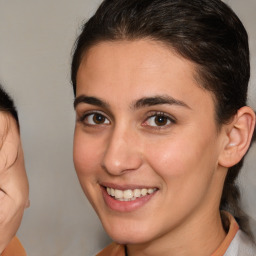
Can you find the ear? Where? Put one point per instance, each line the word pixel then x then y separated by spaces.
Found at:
pixel 238 135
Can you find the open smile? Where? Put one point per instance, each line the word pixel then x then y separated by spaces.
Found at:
pixel 129 194
pixel 127 200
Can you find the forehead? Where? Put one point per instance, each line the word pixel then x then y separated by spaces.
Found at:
pixel 135 56
pixel 123 70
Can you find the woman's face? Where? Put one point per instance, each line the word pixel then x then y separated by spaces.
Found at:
pixel 146 146
pixel 13 180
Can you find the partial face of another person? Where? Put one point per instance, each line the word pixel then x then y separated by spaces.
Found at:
pixel 146 145
pixel 13 180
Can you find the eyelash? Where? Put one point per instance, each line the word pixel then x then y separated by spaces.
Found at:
pixel 156 114
pixel 85 116
pixel 166 118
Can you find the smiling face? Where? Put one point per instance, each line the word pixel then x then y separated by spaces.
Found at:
pixel 146 145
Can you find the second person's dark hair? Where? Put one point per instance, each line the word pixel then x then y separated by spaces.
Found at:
pixel 7 105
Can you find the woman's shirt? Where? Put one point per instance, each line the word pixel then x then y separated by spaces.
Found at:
pixel 14 248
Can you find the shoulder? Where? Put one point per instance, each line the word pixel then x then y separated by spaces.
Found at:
pixel 14 248
pixel 241 245
pixel 113 249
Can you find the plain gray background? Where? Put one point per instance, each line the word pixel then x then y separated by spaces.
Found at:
pixel 36 38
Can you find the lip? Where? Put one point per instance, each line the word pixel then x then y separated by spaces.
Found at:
pixel 125 206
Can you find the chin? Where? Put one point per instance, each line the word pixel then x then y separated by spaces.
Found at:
pixel 125 234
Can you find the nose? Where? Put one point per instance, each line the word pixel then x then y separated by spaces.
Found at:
pixel 122 152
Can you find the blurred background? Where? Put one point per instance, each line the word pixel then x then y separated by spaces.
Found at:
pixel 36 40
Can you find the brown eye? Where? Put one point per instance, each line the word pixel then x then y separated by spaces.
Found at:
pixel 96 119
pixel 161 120
pixel 158 120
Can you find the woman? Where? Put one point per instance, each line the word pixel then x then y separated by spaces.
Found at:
pixel 162 125
pixel 13 179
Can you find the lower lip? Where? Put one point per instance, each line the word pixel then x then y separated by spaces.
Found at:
pixel 125 206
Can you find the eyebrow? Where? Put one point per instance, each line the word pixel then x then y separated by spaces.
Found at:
pixel 90 100
pixel 158 100
pixel 143 102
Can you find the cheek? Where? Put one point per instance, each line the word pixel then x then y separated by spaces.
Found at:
pixel 85 155
pixel 186 169
pixel 87 164
pixel 88 153
pixel 178 157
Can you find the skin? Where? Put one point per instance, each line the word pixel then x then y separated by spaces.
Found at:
pixel 128 149
pixel 13 180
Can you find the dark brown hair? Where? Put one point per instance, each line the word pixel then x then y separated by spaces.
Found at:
pixel 206 32
pixel 7 105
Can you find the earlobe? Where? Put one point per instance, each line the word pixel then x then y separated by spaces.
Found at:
pixel 239 135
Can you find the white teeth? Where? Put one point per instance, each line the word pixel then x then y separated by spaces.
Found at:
pixel 119 194
pixel 151 190
pixel 136 192
pixel 129 195
pixel 144 191
pixel 112 192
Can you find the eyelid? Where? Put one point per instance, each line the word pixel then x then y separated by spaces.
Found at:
pixel 83 109
pixel 159 113
pixel 84 115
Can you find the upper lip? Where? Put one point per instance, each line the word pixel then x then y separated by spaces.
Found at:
pixel 125 186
